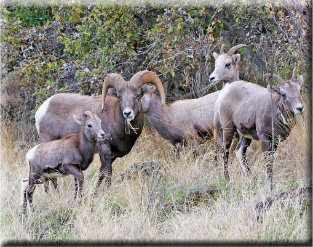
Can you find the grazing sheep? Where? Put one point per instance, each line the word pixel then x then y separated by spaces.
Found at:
pixel 246 108
pixel 72 154
pixel 121 115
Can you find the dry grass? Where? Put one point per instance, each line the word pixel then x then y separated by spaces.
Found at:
pixel 134 209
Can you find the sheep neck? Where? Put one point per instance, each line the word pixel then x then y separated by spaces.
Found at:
pixel 282 123
pixel 87 149
pixel 156 113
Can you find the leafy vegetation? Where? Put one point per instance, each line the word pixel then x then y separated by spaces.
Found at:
pixel 53 48
pixel 71 48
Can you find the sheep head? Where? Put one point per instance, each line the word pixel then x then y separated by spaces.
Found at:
pixel 129 93
pixel 289 92
pixel 226 65
pixel 91 125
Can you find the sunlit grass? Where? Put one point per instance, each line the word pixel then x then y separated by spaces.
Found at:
pixel 136 209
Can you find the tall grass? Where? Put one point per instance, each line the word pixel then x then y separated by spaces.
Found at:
pixel 136 209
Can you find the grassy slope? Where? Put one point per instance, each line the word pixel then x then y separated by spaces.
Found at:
pixel 135 209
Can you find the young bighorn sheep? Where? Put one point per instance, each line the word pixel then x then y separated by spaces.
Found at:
pixel 226 65
pixel 116 113
pixel 248 109
pixel 181 121
pixel 226 70
pixel 72 154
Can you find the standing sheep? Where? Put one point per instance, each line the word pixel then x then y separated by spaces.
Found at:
pixel 181 121
pixel 70 155
pixel 191 119
pixel 121 115
pixel 248 109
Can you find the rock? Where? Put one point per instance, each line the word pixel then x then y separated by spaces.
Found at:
pixel 296 195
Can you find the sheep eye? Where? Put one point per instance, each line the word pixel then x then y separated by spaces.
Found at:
pixel 227 65
pixel 89 126
pixel 284 95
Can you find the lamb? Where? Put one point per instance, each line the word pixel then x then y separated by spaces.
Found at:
pixel 186 121
pixel 245 108
pixel 72 154
pixel 121 115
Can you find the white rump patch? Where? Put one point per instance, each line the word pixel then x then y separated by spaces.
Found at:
pixel 221 97
pixel 31 154
pixel 41 112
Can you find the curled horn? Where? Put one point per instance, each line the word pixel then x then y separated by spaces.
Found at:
pixel 144 77
pixel 222 49
pixel 111 80
pixel 294 74
pixel 235 48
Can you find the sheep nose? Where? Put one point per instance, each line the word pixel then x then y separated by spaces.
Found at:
pixel 102 135
pixel 212 78
pixel 300 109
pixel 128 113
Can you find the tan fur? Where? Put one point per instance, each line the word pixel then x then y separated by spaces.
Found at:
pixel 55 122
pixel 246 108
pixel 72 154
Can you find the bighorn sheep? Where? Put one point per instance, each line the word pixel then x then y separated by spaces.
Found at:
pixel 116 113
pixel 190 119
pixel 227 71
pixel 226 65
pixel 245 108
pixel 183 120
pixel 72 154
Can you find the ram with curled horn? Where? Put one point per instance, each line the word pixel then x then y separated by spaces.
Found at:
pixel 120 112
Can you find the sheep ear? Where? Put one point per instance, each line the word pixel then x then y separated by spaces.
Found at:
pixel 273 89
pixel 300 80
pixel 236 58
pixel 215 55
pixel 77 120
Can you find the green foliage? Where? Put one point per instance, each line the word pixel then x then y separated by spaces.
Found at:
pixel 71 48
pixel 29 15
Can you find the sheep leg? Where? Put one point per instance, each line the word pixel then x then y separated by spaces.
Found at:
pixel 54 182
pixel 76 187
pixel 218 143
pixel 105 171
pixel 106 166
pixel 78 175
pixel 47 184
pixel 177 147
pixel 241 151
pixel 23 203
pixel 32 181
pixel 268 155
pixel 228 133
pixel 194 144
